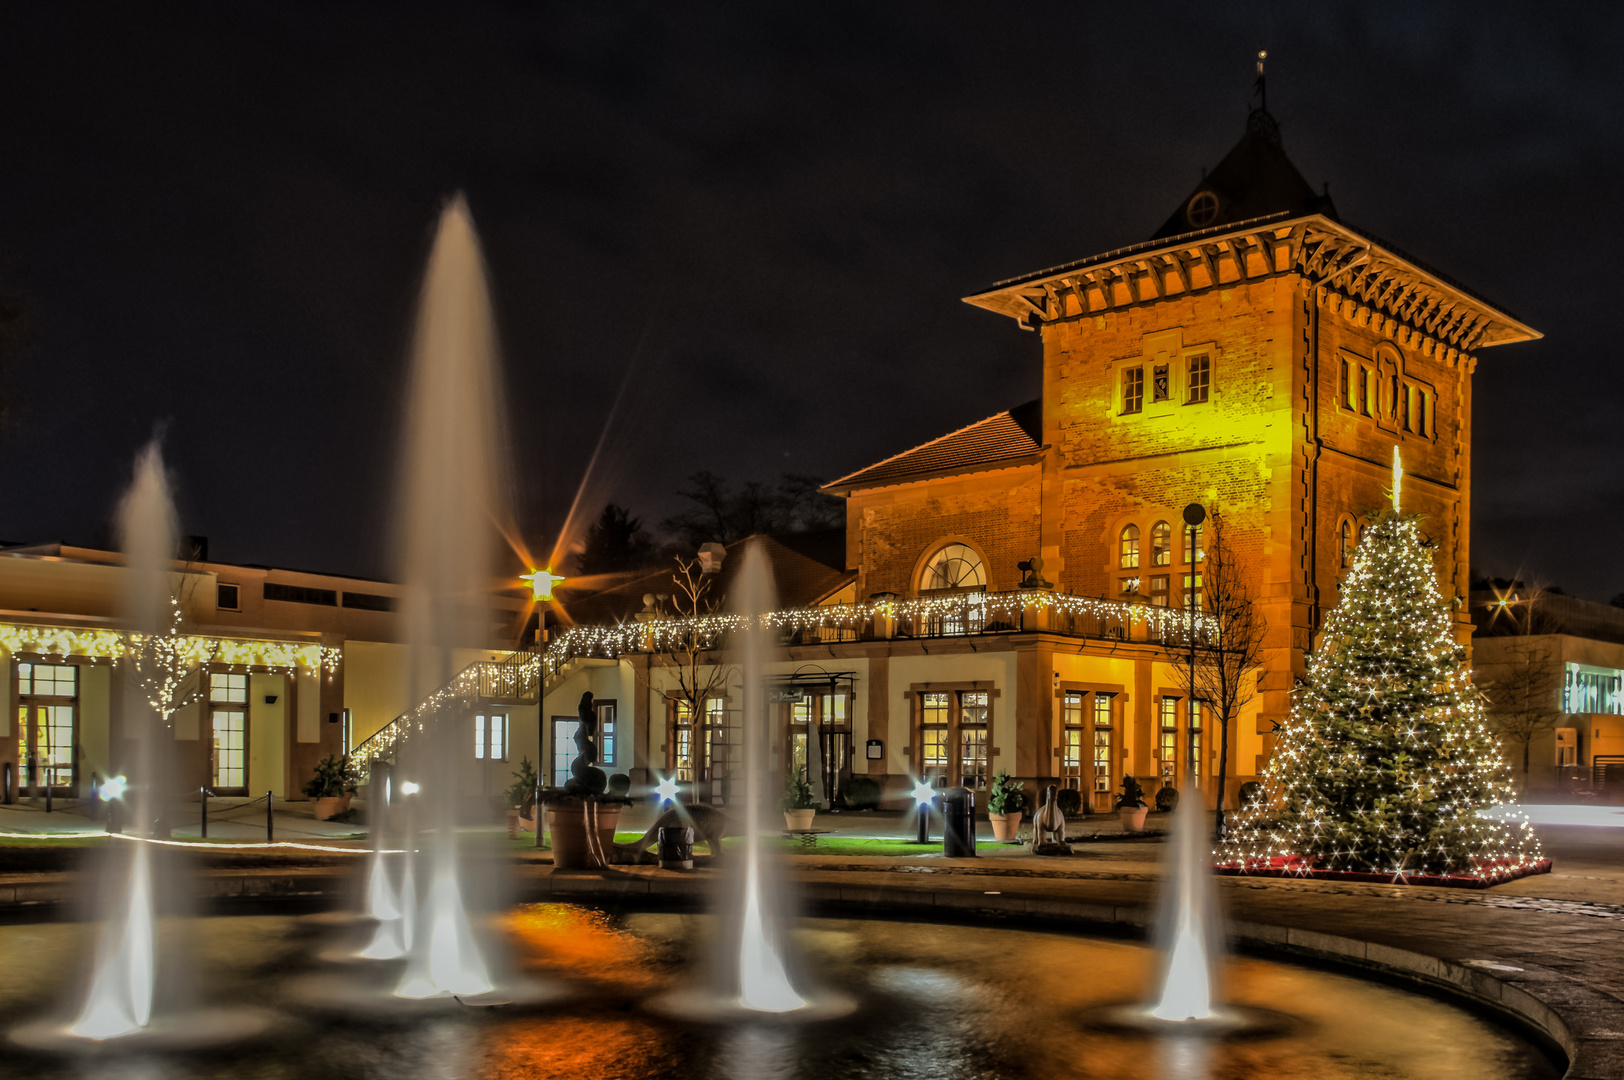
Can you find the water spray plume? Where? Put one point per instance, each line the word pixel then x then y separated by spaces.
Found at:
pixel 764 983
pixel 121 988
pixel 452 503
pixel 1188 919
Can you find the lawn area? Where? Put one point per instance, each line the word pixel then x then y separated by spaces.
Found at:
pixel 827 845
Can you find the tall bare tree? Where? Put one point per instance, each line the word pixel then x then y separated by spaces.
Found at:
pixel 1522 692
pixel 690 652
pixel 1228 645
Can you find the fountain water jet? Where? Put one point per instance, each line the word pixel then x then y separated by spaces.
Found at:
pixel 1189 919
pixel 764 984
pixel 120 998
pixel 450 496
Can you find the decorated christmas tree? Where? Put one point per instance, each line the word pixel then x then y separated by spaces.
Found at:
pixel 1386 759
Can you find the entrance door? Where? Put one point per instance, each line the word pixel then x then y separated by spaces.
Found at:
pixel 45 744
pixel 836 763
pixel 564 752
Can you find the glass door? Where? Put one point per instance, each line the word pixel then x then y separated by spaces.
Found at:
pixel 564 752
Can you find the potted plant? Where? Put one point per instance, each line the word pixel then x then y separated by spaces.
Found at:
pixel 335 780
pixel 582 815
pixel 1131 805
pixel 798 805
pixel 520 796
pixel 1004 804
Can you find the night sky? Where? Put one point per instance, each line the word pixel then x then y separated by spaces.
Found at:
pixel 759 220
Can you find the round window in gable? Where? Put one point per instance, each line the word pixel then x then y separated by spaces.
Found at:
pixel 1203 209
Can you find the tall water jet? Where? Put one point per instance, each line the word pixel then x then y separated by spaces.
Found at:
pixel 764 983
pixel 119 1001
pixel 1189 919
pixel 450 500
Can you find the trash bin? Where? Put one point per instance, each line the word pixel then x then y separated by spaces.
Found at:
pixel 676 847
pixel 959 823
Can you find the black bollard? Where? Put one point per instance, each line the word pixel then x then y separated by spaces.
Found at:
pixel 959 825
pixel 203 800
pixel 269 834
pixel 924 822
pixel 95 797
pixel 676 847
pixel 113 825
pixel 47 792
pixel 535 811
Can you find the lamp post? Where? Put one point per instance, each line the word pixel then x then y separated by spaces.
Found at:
pixel 1194 515
pixel 922 794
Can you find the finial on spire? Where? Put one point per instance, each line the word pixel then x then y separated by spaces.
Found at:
pixel 1262 88
pixel 1398 477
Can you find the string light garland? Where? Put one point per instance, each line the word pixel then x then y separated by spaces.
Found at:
pixel 112 645
pixel 708 631
pixel 1386 760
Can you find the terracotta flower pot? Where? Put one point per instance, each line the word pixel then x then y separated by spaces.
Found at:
pixel 568 826
pixel 1005 827
pixel 331 806
pixel 1133 818
pixel 798 820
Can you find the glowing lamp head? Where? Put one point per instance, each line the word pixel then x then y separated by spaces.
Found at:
pixel 113 787
pixel 667 789
pixel 923 793
pixel 541 583
pixel 409 787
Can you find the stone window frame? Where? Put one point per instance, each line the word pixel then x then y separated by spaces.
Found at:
pixel 1346 527
pixel 1120 697
pixel 1177 358
pixel 914 695
pixel 916 576
pixel 1382 388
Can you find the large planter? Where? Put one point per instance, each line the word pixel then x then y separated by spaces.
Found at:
pixel 798 820
pixel 330 806
pixel 1005 827
pixel 568 827
pixel 1133 818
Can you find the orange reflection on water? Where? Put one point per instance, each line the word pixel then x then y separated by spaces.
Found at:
pixel 612 1046
pixel 582 943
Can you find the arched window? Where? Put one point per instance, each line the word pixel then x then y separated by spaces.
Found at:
pixel 1130 548
pixel 1345 543
pixel 1161 544
pixel 955 566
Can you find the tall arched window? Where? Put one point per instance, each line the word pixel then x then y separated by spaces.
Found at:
pixel 1345 543
pixel 1130 548
pixel 955 566
pixel 1161 544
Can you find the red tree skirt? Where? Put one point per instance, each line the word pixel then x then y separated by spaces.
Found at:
pixel 1493 874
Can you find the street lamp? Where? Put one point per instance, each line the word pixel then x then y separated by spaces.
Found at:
pixel 1194 515
pixel 541 583
pixel 923 793
pixel 667 789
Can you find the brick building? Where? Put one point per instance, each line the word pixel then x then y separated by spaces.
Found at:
pixel 1258 356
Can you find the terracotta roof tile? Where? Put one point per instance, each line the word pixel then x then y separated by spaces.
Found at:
pixel 998 441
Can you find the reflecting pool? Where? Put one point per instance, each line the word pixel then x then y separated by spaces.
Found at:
pixel 934 1002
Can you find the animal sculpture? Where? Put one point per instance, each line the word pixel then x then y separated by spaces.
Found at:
pixel 709 825
pixel 1049 827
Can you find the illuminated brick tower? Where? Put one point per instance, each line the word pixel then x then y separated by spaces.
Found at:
pixel 1257 355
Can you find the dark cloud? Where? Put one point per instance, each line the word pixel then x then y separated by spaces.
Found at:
pixel 219 213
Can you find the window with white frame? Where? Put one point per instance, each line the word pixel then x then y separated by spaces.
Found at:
pixel 491 737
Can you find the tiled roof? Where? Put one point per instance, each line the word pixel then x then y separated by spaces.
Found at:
pixel 1009 438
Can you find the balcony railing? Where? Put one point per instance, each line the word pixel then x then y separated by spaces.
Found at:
pixel 523 676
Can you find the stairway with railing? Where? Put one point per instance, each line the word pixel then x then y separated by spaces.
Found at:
pixel 520 678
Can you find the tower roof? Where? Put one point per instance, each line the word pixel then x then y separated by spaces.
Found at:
pixel 1255 179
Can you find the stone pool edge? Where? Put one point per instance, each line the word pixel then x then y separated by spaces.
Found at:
pixel 1570 1014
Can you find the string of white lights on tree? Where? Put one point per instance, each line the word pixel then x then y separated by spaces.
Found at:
pixel 1386 760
